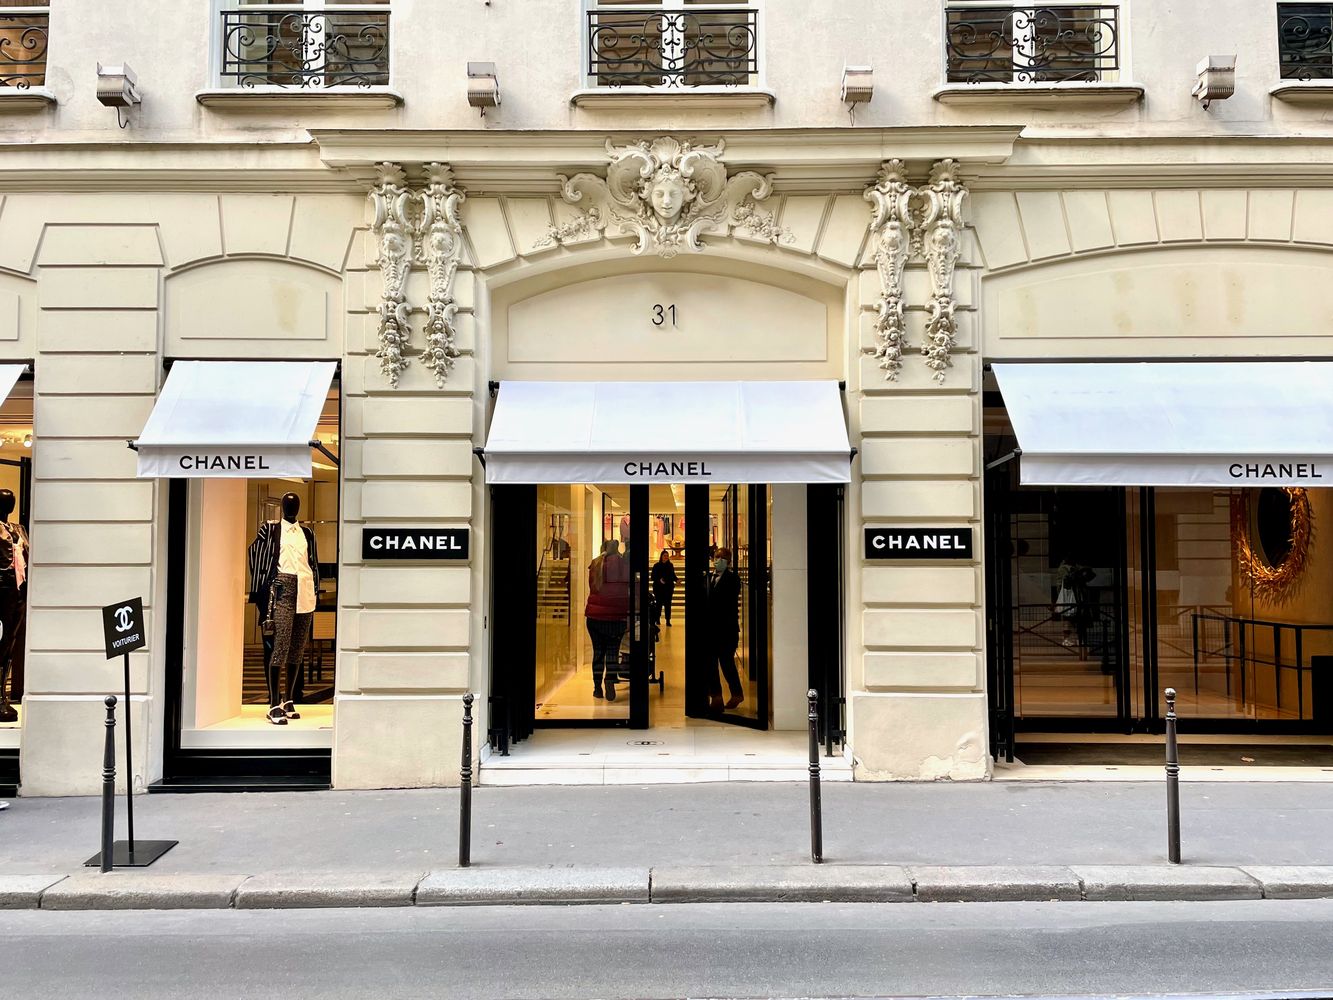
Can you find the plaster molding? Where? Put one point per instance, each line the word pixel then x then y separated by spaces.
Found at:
pixel 942 223
pixel 282 100
pixel 425 228
pixel 892 236
pixel 1304 93
pixel 656 101
pixel 1063 96
pixel 395 230
pixel 25 100
pixel 441 247
pixel 908 222
pixel 667 193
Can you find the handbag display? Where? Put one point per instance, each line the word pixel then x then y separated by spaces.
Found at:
pixel 267 626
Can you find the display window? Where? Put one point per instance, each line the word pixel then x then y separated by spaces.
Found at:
pixel 250 449
pixel 17 448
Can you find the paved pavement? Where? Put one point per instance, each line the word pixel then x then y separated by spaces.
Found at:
pixel 705 950
pixel 735 842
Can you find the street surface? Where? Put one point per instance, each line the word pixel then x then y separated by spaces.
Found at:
pixel 733 950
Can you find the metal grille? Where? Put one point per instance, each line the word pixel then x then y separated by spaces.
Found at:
pixel 1305 40
pixel 647 47
pixel 291 47
pixel 1019 44
pixel 23 35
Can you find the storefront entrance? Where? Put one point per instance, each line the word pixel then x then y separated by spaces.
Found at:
pixel 1100 597
pixel 637 600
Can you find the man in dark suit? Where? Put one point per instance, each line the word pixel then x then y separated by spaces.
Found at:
pixel 724 632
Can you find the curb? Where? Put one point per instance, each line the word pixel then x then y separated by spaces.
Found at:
pixel 125 890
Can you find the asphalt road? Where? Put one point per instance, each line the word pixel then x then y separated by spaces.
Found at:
pixel 673 951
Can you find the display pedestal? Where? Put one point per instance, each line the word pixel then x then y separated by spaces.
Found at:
pixel 144 854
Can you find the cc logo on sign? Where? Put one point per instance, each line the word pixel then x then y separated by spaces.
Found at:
pixel 123 622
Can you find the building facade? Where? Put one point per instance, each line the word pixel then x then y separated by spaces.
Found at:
pixel 537 276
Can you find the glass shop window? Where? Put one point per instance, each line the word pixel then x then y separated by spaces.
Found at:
pixel 261 628
pixel 16 452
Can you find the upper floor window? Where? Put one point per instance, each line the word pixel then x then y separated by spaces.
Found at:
pixel 1020 43
pixel 1305 40
pixel 23 33
pixel 672 43
pixel 313 44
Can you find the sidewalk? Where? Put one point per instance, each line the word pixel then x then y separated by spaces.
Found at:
pixel 683 842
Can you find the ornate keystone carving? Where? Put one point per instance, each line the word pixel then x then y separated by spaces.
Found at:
pixel 441 246
pixel 892 234
pixel 907 223
pixel 394 229
pixel 424 228
pixel 668 194
pixel 943 226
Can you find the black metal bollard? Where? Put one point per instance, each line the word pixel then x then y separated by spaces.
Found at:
pixel 465 789
pixel 109 784
pixel 816 803
pixel 1172 781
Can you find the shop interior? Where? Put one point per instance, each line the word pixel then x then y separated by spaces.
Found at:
pixel 1104 597
pixel 573 524
pixel 16 452
pixel 226 698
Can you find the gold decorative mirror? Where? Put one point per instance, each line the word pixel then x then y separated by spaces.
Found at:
pixel 1272 527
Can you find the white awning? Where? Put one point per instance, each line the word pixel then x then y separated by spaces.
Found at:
pixel 235 420
pixel 9 377
pixel 1264 423
pixel 668 432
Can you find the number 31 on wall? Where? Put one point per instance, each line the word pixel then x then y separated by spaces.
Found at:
pixel 661 314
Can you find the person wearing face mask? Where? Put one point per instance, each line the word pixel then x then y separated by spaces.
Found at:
pixel 724 631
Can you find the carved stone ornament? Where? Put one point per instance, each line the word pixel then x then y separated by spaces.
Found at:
pixel 667 193
pixel 441 246
pixel 394 229
pixel 943 226
pixel 908 223
pixel 891 234
pixel 424 228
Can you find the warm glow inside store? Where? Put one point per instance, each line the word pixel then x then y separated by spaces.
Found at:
pixel 250 452
pixel 1159 525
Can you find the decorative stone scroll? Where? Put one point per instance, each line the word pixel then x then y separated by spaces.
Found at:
pixel 943 227
pixel 907 223
pixel 892 230
pixel 423 228
pixel 668 194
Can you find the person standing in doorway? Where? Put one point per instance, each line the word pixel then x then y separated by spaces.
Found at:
pixel 664 587
pixel 724 631
pixel 607 615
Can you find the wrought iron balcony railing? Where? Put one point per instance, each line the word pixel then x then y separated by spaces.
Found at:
pixel 693 47
pixel 1018 43
pixel 290 46
pixel 1305 40
pixel 23 34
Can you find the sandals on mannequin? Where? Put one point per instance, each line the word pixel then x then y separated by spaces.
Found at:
pixel 276 716
pixel 289 710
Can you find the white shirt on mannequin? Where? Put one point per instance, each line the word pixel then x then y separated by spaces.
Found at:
pixel 294 558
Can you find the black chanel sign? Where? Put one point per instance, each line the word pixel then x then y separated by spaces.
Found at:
pixel 414 543
pixel 918 543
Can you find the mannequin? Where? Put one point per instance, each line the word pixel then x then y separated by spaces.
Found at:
pixel 13 605
pixel 284 582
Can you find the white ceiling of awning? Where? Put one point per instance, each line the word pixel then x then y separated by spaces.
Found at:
pixel 1172 424
pixel 761 432
pixel 237 419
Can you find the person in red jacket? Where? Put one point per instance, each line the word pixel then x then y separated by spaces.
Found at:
pixel 607 615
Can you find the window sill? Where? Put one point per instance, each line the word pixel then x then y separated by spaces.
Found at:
pixel 18 102
pixel 261 100
pixel 1304 93
pixel 1028 95
pixel 654 98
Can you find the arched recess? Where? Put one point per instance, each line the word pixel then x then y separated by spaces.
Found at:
pixel 1200 299
pixel 253 307
pixel 739 312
